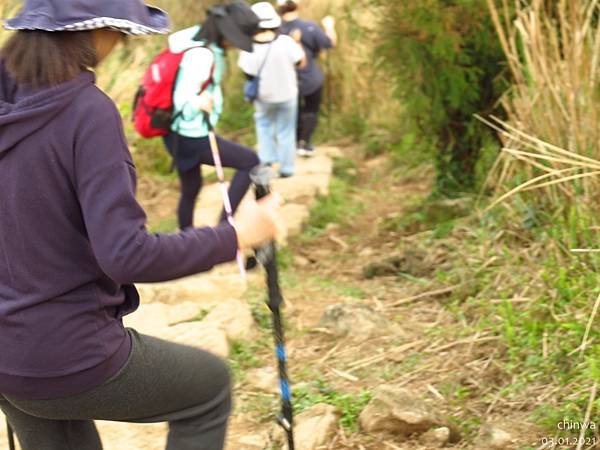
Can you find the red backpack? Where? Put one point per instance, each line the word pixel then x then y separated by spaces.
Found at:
pixel 153 103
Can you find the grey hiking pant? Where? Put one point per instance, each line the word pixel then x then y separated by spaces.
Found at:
pixel 161 382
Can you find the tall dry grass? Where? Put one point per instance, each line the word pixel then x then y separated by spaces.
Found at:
pixel 552 133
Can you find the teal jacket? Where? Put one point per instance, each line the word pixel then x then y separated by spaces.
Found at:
pixel 194 71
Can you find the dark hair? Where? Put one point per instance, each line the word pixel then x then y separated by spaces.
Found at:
pixel 38 59
pixel 287 7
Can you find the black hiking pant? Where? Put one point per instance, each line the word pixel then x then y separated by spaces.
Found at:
pixel 161 382
pixel 308 115
pixel 190 154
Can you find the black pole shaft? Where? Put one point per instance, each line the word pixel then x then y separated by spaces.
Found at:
pixel 275 299
pixel 11 436
pixel 268 257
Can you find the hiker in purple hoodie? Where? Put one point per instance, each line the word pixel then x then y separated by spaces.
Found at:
pixel 73 240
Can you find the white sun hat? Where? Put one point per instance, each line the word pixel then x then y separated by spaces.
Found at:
pixel 269 19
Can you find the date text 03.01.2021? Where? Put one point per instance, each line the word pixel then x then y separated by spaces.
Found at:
pixel 589 441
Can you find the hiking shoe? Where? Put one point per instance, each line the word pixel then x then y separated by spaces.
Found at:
pixel 251 263
pixel 306 150
pixel 286 175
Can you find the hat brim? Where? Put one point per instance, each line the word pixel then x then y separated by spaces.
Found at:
pixel 232 33
pixel 270 24
pixel 157 22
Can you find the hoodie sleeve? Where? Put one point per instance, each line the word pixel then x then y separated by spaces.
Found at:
pixel 116 223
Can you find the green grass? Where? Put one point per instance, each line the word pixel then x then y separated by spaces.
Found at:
pixel 151 158
pixel 261 314
pixel 243 356
pixel 348 405
pixel 337 287
pixel 338 208
pixel 539 338
pixel 469 427
pixel 166 225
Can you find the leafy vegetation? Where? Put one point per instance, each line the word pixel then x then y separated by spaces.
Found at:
pixel 447 62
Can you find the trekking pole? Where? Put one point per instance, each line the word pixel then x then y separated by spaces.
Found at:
pixel 214 148
pixel 11 436
pixel 261 177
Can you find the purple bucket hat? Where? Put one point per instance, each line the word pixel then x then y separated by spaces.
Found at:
pixel 128 16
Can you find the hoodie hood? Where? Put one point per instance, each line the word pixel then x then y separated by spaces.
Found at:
pixel 184 40
pixel 23 112
pixel 188 38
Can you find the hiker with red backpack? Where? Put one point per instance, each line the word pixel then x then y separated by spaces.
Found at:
pixel 197 97
pixel 73 240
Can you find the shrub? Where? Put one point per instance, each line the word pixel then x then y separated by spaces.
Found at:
pixel 447 62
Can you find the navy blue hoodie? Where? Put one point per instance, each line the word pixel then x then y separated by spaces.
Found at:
pixel 73 240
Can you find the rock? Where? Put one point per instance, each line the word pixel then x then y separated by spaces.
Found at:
pixel 412 261
pixel 264 379
pixel 253 441
pixel 318 164
pixel 367 251
pixel 437 437
pixel 205 290
pixel 331 227
pixel 493 437
pixel 315 427
pixel 397 411
pixel 292 191
pixel 294 215
pixel 357 320
pixel 234 317
pixel 151 316
pixel 446 209
pixel 199 335
pixel 301 261
pixel 123 435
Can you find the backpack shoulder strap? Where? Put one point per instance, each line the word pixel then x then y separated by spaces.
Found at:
pixel 262 66
pixel 211 77
pixel 206 83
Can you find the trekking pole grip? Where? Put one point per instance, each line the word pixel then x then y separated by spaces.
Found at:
pixel 261 176
pixel 209 125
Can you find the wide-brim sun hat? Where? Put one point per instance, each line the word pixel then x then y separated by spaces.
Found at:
pixel 131 17
pixel 269 19
pixel 236 22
